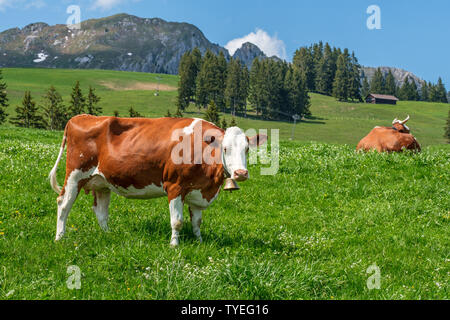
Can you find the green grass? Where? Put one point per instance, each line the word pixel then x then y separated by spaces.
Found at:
pixel 310 232
pixel 333 122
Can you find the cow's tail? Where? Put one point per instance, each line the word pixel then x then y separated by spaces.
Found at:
pixel 52 174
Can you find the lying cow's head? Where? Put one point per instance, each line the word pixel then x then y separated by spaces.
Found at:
pixel 235 146
pixel 400 126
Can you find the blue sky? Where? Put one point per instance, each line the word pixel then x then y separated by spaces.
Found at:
pixel 414 35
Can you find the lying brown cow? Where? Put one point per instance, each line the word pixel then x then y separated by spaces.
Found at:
pixel 390 139
pixel 145 158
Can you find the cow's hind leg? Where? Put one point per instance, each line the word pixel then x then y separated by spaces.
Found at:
pixel 65 203
pixel 176 219
pixel 101 207
pixel 196 220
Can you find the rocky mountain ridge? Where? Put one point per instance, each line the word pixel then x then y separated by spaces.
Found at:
pixel 123 42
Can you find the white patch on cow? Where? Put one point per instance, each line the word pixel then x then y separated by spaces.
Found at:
pixel 176 219
pixel 406 127
pixel 190 129
pixel 81 155
pixel 195 198
pixel 149 192
pixel 234 148
pixel 66 201
pixel 99 182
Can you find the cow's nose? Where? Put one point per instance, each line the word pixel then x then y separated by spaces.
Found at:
pixel 241 175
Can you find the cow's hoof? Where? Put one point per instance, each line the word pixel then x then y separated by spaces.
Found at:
pixel 174 243
pixel 58 237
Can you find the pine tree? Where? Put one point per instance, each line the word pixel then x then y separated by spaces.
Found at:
pixel 354 91
pixel 244 89
pixel 187 70
pixel 224 124
pixel 425 94
pixel 212 114
pixel 408 91
pixel 168 114
pixel 365 91
pixel 233 86
pixel 304 62
pixel 441 92
pixel 222 80
pixel 92 103
pixel 325 72
pixel 414 93
pixel 27 114
pixel 233 122
pixel 3 99
pixel 404 93
pixel 207 86
pixel 133 113
pixel 341 81
pixel 256 85
pixel 116 113
pixel 298 99
pixel 54 112
pixel 377 85
pixel 77 101
pixel 390 85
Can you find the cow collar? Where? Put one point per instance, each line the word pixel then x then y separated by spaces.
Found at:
pixel 394 128
pixel 225 171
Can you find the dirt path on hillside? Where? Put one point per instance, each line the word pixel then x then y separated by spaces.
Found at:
pixel 141 86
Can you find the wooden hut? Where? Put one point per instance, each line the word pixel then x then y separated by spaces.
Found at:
pixel 381 99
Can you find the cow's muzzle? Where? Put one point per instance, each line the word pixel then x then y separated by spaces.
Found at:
pixel 241 175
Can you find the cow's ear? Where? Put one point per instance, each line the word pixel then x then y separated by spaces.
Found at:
pixel 257 140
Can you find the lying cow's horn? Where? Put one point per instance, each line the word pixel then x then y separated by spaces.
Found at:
pixel 405 121
pixel 395 121
pixel 231 185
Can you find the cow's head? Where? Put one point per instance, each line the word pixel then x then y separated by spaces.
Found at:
pixel 400 126
pixel 235 146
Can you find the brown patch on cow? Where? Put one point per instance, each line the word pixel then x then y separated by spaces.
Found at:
pixel 136 86
pixel 388 139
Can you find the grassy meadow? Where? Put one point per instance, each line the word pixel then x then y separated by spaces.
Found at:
pixel 309 232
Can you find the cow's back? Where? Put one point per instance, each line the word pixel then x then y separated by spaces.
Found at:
pixel 386 139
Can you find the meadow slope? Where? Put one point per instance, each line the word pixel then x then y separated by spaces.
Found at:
pixel 332 122
pixel 310 232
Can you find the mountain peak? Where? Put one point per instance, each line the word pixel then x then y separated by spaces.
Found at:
pixel 248 52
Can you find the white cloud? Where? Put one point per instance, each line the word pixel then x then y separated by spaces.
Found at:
pixel 270 45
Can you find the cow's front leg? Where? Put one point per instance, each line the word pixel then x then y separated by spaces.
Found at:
pixel 176 219
pixel 196 220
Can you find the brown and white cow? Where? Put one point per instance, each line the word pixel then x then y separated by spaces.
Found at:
pixel 140 158
pixel 390 139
